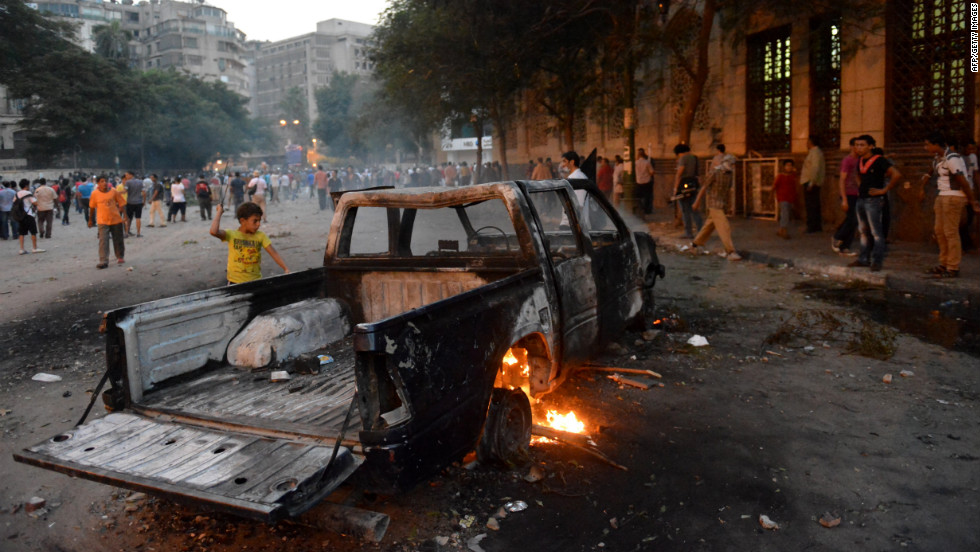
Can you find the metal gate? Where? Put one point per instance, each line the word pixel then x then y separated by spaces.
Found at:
pixel 758 176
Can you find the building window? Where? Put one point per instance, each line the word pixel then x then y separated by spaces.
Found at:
pixel 930 86
pixel 825 80
pixel 768 94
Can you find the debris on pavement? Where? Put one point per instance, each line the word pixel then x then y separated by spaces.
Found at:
pixel 35 504
pixel 515 506
pixel 279 375
pixel 697 340
pixel 594 368
pixel 626 381
pixel 767 523
pixel 474 543
pixel 829 520
pixel 887 378
pixel 46 378
pixel 324 359
pixel 534 475
pixel 906 373
pixel 493 524
pixel 467 521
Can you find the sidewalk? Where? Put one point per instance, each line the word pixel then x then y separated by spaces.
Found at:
pixel 904 266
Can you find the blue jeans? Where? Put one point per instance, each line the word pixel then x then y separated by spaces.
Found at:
pixel 869 212
pixel 6 222
pixel 692 218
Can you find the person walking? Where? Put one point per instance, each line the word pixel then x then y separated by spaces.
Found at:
pixel 25 208
pixel 873 170
pixel 849 183
pixel 8 226
pixel 64 198
pixel 686 185
pixel 203 192
pixel 237 186
pixel 715 191
pixel 135 198
pixel 812 177
pixel 954 195
pixel 156 201
pixel 84 195
pixel 45 197
pixel 785 189
pixel 644 181
pixel 256 187
pixel 108 210
pixel 320 181
pixel 178 201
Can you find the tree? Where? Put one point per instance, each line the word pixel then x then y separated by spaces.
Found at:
pixel 27 36
pixel 336 114
pixel 112 42
pixel 696 18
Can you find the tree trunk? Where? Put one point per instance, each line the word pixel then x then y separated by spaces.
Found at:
pixel 700 77
pixel 478 170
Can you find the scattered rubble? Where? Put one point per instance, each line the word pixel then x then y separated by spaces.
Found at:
pixel 887 378
pixel 46 378
pixel 906 373
pixel 767 523
pixel 35 504
pixel 697 341
pixel 829 520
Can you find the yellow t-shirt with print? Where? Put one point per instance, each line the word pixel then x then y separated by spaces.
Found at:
pixel 245 255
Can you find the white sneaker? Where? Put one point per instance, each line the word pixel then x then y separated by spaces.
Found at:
pixel 38 251
pixel 722 254
pixel 734 256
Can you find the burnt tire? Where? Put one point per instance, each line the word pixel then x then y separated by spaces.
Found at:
pixel 507 430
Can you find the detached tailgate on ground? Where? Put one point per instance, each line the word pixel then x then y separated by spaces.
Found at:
pixel 252 476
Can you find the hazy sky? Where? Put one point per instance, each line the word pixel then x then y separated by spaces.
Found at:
pixel 279 19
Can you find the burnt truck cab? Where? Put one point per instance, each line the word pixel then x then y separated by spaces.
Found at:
pixel 443 309
pixel 537 267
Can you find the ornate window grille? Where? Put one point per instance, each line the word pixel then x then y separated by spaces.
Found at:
pixel 825 80
pixel 768 99
pixel 930 86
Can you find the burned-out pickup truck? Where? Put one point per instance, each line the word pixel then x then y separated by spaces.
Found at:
pixel 386 364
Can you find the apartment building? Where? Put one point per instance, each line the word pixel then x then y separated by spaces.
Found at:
pixel 306 62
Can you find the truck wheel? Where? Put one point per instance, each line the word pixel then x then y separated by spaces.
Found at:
pixel 507 431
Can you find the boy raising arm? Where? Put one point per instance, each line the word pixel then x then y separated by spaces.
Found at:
pixel 245 245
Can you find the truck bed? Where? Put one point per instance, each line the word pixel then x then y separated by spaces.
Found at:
pixel 308 405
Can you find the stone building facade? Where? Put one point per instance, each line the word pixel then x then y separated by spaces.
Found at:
pixel 897 78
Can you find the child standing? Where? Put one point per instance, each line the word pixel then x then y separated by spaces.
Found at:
pixel 785 189
pixel 245 245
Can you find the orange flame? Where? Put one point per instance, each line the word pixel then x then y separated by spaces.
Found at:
pixel 565 422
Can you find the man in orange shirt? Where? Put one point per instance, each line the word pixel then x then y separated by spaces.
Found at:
pixel 109 211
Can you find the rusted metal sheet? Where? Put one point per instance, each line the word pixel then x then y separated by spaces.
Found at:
pixel 253 476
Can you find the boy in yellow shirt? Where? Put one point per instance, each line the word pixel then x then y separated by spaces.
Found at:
pixel 245 245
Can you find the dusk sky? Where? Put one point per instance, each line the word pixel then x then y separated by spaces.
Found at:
pixel 285 18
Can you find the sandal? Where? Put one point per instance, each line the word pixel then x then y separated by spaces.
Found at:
pixel 938 269
pixel 948 274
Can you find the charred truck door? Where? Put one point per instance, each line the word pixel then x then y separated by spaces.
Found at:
pixel 614 262
pixel 571 262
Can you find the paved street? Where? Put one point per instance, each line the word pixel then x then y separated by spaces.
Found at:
pixel 784 414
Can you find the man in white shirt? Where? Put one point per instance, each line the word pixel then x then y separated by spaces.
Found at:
pixel 954 194
pixel 257 187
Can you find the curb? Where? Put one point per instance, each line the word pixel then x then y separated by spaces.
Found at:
pixel 894 282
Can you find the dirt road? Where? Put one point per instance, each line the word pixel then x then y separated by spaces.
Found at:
pixel 783 414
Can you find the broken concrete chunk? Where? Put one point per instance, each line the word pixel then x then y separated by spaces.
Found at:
pixel 534 475
pixel 34 504
pixel 493 524
pixel 906 373
pixel 697 341
pixel 279 375
pixel 829 520
pixel 474 543
pixel 441 540
pixel 46 378
pixel 767 523
pixel 887 378
pixel 288 332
